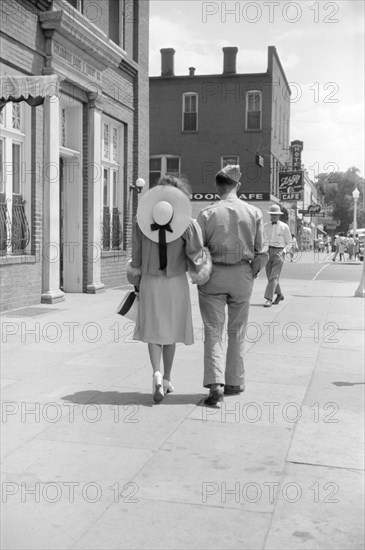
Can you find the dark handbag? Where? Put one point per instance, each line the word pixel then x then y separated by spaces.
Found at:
pixel 128 307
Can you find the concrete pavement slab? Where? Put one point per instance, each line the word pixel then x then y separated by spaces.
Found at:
pixel 124 418
pixel 217 464
pixel 262 404
pixel 336 399
pixel 318 508
pixel 169 525
pixel 55 522
pixel 286 369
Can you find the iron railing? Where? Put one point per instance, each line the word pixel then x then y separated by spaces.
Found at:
pixel 112 232
pixel 14 232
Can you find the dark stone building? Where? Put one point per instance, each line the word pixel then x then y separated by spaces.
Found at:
pixel 199 123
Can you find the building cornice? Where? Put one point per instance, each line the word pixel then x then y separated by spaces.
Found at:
pixel 84 35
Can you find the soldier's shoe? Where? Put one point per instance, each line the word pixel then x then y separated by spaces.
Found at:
pixel 233 390
pixel 279 298
pixel 214 397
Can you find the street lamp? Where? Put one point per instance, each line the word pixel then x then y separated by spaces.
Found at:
pixel 138 185
pixel 355 196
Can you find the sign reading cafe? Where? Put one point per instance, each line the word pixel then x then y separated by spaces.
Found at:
pixel 291 185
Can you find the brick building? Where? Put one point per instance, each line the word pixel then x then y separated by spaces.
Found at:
pixel 199 123
pixel 74 139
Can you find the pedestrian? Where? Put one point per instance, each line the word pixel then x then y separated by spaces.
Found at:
pixel 341 246
pixel 328 244
pixel 233 231
pixel 356 248
pixel 336 246
pixel 277 238
pixel 165 243
pixel 350 246
pixel 293 247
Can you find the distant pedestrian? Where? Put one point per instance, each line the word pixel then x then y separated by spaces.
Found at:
pixel 328 242
pixel 336 246
pixel 350 246
pixel 356 248
pixel 292 247
pixel 341 246
pixel 165 243
pixel 277 238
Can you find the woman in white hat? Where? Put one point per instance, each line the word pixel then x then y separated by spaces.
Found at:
pixel 166 242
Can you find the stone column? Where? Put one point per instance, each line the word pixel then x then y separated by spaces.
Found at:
pixel 94 212
pixel 51 291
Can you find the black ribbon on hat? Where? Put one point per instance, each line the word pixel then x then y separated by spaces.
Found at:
pixel 162 247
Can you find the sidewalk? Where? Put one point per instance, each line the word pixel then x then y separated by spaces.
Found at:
pixel 89 462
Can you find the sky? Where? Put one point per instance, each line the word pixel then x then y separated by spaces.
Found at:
pixel 320 46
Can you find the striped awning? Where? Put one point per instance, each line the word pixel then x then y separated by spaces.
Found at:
pixel 32 89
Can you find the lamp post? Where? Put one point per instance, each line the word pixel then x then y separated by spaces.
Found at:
pixel 360 291
pixel 355 196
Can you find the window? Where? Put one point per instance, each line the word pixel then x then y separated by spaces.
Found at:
pixel 15 184
pixel 190 112
pixel 77 4
pixel 229 159
pixel 162 166
pixel 112 233
pixel 114 21
pixel 253 110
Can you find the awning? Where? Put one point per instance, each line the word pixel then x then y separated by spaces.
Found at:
pixel 32 89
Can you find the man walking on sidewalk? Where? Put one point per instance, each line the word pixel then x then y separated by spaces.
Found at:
pixel 277 238
pixel 233 232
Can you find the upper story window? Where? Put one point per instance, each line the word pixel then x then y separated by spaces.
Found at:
pixel 229 159
pixel 114 21
pixel 163 165
pixel 254 110
pixel 77 4
pixel 190 112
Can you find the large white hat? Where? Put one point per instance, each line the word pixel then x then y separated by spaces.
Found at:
pixel 164 205
pixel 275 209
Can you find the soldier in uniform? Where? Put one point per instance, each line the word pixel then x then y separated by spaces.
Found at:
pixel 233 232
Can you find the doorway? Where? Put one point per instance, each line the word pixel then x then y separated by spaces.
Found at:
pixel 70 224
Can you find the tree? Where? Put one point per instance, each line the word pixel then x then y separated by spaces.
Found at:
pixel 337 189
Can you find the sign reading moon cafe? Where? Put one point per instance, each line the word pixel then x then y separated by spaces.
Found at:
pixel 291 185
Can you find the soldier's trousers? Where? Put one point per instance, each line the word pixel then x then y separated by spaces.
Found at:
pixel 229 286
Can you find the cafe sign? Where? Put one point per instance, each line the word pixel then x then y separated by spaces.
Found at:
pixel 291 185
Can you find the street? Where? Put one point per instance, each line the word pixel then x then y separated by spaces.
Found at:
pixel 90 462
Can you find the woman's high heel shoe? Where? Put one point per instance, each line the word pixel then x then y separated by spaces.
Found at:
pixel 167 386
pixel 157 387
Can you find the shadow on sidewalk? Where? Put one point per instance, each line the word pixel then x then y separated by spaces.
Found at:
pixel 95 397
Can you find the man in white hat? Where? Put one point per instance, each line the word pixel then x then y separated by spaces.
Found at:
pixel 277 238
pixel 233 232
